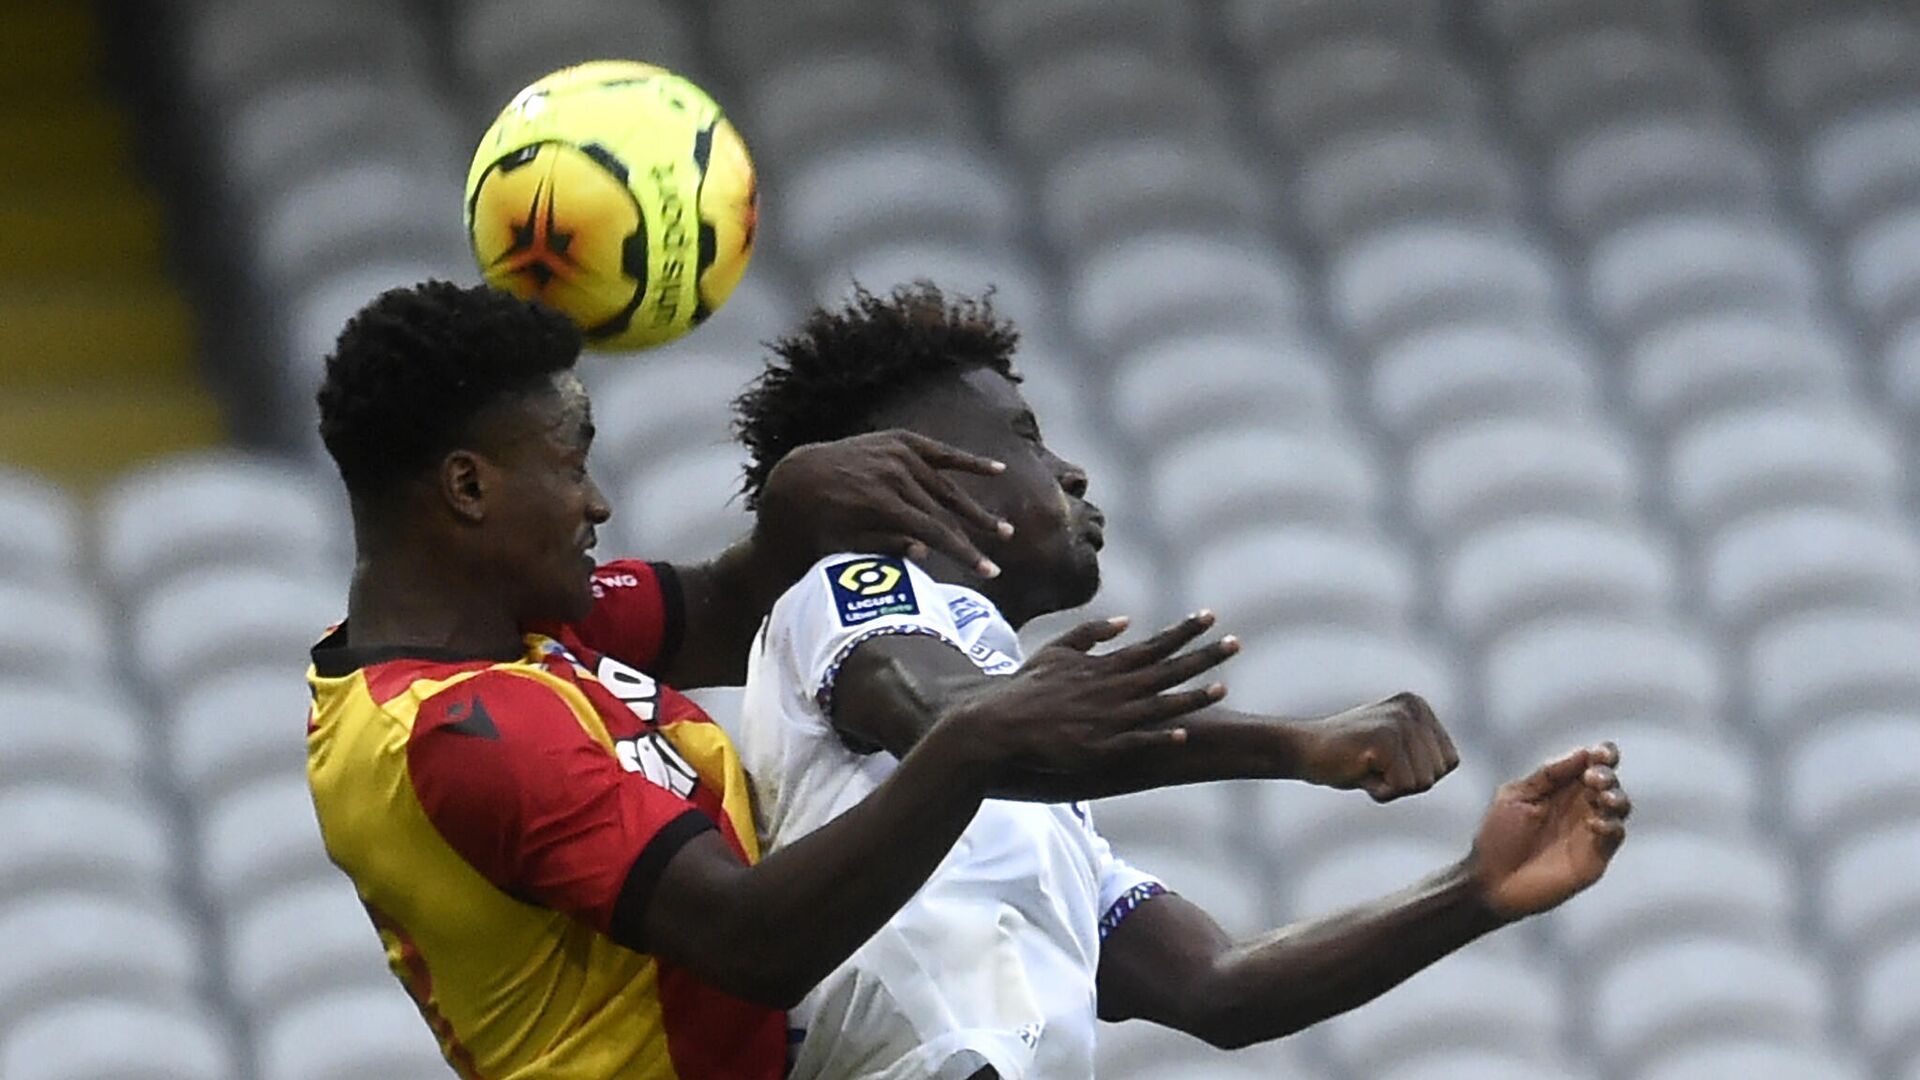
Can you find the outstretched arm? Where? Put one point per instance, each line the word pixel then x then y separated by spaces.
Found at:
pixel 1390 748
pixel 1546 837
pixel 883 492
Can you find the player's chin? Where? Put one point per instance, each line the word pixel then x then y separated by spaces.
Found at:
pixel 1081 580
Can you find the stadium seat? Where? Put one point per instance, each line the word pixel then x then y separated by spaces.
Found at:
pixel 389 1040
pixel 1141 1050
pixel 1635 169
pixel 54 632
pixel 69 837
pixel 295 127
pixel 1737 463
pixel 1577 82
pixel 1209 482
pixel 813 104
pixel 748 36
pixel 1682 773
pixel 1857 167
pixel 1675 266
pixel 1018 33
pixel 1166 817
pixel 1081 95
pixel 1405 278
pixel 346 215
pixel 224 617
pixel 1474 999
pixel 700 486
pixel 1787 561
pixel 1669 884
pixel 1517 24
pixel 1531 568
pixel 1371 179
pixel 1261 28
pixel 1684 371
pixel 1901 367
pixel 914 190
pixel 1162 285
pixel 39 529
pixel 87 737
pixel 102 1038
pixel 645 412
pixel 1319 671
pixel 216 508
pixel 320 310
pixel 1307 829
pixel 1163 392
pixel 1270 580
pixel 1575 677
pixel 960 269
pixel 1888 997
pixel 1456 374
pixel 231 49
pixel 259 838
pixel 303 940
pixel 1844 773
pixel 1804 669
pixel 763 307
pixel 1869 888
pixel 1473 476
pixel 236 725
pixel 1756 1058
pixel 1099 193
pixel 499 50
pixel 1702 989
pixel 1307 97
pixel 1828 67
pixel 62 945
pixel 1481 1064
pixel 1211 875
pixel 1883 269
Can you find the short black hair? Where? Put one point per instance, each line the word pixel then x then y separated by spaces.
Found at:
pixel 414 367
pixel 828 378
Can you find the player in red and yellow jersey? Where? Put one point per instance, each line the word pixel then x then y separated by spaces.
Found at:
pixel 556 848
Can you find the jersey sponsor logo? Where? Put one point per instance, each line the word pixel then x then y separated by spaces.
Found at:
pixel 867 589
pixel 631 685
pixel 603 582
pixel 653 757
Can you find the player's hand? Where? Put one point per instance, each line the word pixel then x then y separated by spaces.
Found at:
pixel 1070 710
pixel 1387 749
pixel 1550 835
pixel 884 492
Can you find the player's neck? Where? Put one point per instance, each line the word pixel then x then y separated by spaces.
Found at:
pixel 1005 598
pixel 410 599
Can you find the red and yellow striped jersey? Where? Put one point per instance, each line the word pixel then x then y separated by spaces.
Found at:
pixel 499 814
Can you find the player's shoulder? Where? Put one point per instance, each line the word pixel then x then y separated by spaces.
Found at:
pixel 854 588
pixel 502 704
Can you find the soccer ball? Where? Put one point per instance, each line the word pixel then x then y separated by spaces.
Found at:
pixel 617 193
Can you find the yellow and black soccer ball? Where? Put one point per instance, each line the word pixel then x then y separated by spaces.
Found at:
pixel 617 193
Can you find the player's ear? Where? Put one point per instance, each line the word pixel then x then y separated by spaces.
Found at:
pixel 464 480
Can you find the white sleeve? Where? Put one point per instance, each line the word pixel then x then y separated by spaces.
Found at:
pixel 846 599
pixel 1122 887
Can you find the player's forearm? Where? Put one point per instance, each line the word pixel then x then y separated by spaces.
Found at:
pixel 1221 745
pixel 810 905
pixel 1301 974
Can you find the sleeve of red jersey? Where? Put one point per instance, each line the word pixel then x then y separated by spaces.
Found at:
pixel 638 614
pixel 517 786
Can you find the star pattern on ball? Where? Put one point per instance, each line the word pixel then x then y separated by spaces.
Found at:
pixel 539 249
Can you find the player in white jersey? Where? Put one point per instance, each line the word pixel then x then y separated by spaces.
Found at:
pixel 1032 929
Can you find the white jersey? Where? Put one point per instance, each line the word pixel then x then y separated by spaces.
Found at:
pixel 993 961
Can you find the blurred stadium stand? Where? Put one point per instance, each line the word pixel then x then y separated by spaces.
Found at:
pixel 1557 359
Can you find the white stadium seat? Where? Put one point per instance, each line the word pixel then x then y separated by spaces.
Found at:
pixel 1883 269
pixel 1172 388
pixel 1483 1064
pixel 1309 96
pixel 1682 773
pixel 67 837
pixel 1806 669
pixel 1019 32
pixel 259 838
pixel 1537 567
pixel 1476 475
pixel 1478 998
pixel 1736 463
pixel 1106 190
pixel 1574 677
pixel 1268 580
pixel 389 1039
pixel 1849 772
pixel 221 617
pixel 1338 875
pixel 62 945
pixel 1263 27
pixel 499 51
pixel 236 725
pixel 1458 374
pixel 960 270
pixel 684 505
pixel 1308 830
pixel 101 1038
pixel 1160 285
pixel 39 528
pixel 1140 1050
pixel 1083 94
pixel 803 105
pixel 225 508
pixel 1323 670
pixel 643 412
pixel 1676 266
pixel 1828 67
pixel 85 737
pixel 54 631
pixel 303 940
pixel 1888 997
pixel 1686 370
pixel 1405 278
pixel 915 190
pixel 1758 1058
pixel 1222 881
pixel 1373 178
pixel 1520 22
pixel 1859 166
pixel 1635 169
pixel 1577 82
pixel 1671 883
pixel 1209 482
pixel 1703 989
pixel 1869 887
pixel 1776 564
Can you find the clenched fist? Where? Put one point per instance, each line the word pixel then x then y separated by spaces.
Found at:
pixel 1387 749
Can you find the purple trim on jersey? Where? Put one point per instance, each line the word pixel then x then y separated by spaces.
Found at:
pixel 1129 902
pixel 823 697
